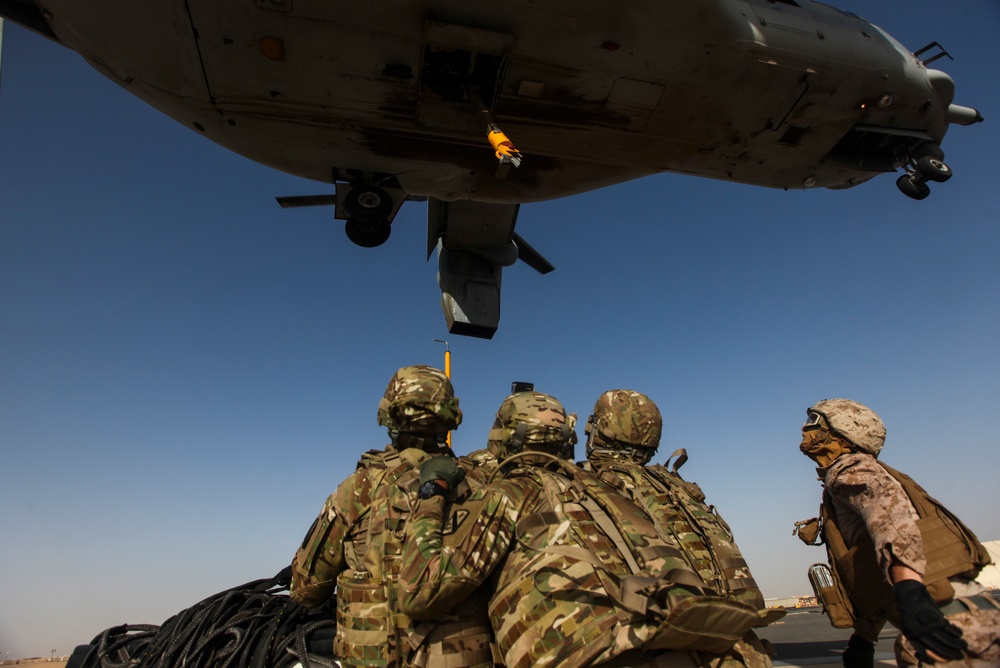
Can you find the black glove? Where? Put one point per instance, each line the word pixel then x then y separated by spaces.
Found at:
pixel 441 468
pixel 859 653
pixel 922 623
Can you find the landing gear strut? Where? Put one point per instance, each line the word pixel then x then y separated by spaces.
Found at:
pixel 926 163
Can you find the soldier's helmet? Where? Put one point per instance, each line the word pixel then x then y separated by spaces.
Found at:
pixel 855 423
pixel 532 421
pixel 419 399
pixel 625 421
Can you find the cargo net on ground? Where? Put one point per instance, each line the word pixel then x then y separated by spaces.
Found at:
pixel 255 625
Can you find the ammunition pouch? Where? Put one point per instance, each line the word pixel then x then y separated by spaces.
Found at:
pixel 831 596
pixel 363 624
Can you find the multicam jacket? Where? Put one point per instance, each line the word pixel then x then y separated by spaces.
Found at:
pixel 351 546
pixel 337 538
pixel 371 628
pixel 556 576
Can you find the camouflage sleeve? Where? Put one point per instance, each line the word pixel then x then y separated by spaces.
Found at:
pixel 320 558
pixel 888 516
pixel 441 568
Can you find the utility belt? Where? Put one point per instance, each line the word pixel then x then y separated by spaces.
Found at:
pixel 967 603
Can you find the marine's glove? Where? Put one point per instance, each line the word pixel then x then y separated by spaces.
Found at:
pixel 923 624
pixel 859 653
pixel 441 468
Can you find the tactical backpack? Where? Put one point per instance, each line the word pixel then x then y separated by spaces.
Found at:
pixel 666 603
pixel 699 530
pixel 371 630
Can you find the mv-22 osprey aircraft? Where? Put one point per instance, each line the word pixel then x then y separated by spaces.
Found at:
pixel 478 106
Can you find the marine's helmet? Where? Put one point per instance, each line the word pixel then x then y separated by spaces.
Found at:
pixel 855 423
pixel 625 421
pixel 532 421
pixel 419 399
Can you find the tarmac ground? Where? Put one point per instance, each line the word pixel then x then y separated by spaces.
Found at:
pixel 804 637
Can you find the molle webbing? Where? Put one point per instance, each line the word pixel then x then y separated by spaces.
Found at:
pixel 370 629
pixel 856 572
pixel 378 463
pixel 362 621
pixel 464 642
pixel 950 549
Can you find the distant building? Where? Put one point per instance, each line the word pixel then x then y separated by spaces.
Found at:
pixel 990 575
pixel 790 602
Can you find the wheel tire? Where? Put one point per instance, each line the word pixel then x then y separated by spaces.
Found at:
pixel 367 202
pixel 912 189
pixel 933 169
pixel 368 234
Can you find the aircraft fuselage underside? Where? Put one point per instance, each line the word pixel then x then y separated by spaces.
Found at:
pixel 784 94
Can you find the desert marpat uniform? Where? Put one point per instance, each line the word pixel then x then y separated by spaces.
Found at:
pixel 556 577
pixel 864 501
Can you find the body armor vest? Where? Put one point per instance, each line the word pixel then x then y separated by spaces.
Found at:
pixel 950 549
pixel 679 508
pixel 371 630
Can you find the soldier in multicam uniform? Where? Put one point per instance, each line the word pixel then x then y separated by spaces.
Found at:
pixel 623 434
pixel 897 554
pixel 354 545
pixel 576 573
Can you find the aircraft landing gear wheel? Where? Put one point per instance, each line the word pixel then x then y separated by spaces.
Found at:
pixel 933 169
pixel 368 233
pixel 367 202
pixel 912 188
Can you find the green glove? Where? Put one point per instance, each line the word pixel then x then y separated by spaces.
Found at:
pixel 441 468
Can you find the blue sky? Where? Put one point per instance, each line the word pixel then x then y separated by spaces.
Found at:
pixel 186 370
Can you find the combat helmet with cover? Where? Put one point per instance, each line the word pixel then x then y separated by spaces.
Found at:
pixel 854 422
pixel 625 421
pixel 532 421
pixel 419 399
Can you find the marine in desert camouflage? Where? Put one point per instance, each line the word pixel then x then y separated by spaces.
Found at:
pixel 896 553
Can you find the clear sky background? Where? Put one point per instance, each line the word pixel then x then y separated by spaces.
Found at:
pixel 187 370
